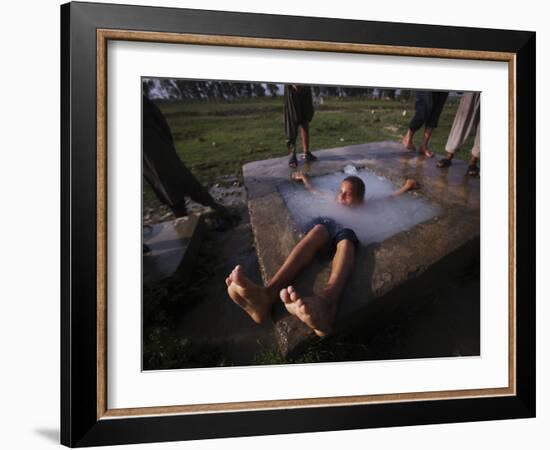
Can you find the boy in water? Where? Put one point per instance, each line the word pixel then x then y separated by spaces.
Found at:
pixel 320 235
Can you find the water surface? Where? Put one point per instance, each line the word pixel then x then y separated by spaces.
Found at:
pixel 380 217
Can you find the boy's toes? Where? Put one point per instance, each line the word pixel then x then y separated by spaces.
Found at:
pixel 285 296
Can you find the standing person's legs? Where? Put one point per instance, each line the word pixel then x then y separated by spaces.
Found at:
pixel 319 311
pixel 304 134
pixel 291 136
pixel 424 146
pixel 438 102
pixel 432 119
pixel 291 124
pixel 466 118
pixel 422 106
pixel 473 168
pixel 476 148
pixel 308 156
pixel 163 168
pixel 306 112
pixel 257 300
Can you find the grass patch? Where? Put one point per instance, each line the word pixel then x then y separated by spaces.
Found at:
pixel 334 349
pixel 165 350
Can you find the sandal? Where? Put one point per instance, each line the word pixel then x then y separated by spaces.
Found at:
pixel 292 161
pixel 473 170
pixel 310 157
pixel 443 163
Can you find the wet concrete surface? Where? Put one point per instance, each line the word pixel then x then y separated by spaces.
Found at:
pixel 390 159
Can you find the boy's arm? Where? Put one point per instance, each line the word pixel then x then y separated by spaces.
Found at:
pixel 409 185
pixel 301 176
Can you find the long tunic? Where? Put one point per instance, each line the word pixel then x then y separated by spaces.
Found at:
pixel 162 168
pixel 298 111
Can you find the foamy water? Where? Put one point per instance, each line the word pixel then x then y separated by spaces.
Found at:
pixel 380 217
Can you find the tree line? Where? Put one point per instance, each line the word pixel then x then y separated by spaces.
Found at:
pixel 173 89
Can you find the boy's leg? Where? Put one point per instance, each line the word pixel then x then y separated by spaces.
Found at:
pixel 257 300
pixel 300 257
pixel 319 311
pixel 342 266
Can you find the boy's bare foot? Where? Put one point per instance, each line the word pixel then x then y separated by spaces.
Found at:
pixel 407 141
pixel 248 295
pixel 317 312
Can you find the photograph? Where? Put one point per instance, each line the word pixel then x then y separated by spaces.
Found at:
pixel 267 225
pixel 277 224
pixel 296 224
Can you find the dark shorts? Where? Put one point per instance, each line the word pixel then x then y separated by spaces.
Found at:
pixel 336 232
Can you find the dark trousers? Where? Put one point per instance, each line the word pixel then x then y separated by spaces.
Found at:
pixel 162 168
pixel 298 111
pixel 428 108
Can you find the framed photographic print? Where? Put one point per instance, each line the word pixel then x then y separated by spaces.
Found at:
pixel 276 224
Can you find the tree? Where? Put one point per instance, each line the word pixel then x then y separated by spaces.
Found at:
pixel 273 89
pixel 258 90
pixel 388 93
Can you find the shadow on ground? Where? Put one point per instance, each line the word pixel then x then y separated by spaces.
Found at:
pixel 50 434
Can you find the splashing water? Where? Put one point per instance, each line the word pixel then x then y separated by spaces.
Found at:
pixel 380 217
pixel 350 169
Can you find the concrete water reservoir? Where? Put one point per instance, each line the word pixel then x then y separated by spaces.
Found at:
pixel 433 237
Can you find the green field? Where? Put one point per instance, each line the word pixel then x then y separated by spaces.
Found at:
pixel 215 138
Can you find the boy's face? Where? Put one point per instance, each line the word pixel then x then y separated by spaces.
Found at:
pixel 347 196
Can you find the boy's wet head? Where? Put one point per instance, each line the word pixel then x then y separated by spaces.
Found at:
pixel 352 191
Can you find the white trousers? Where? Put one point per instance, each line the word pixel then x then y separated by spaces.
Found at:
pixel 466 118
